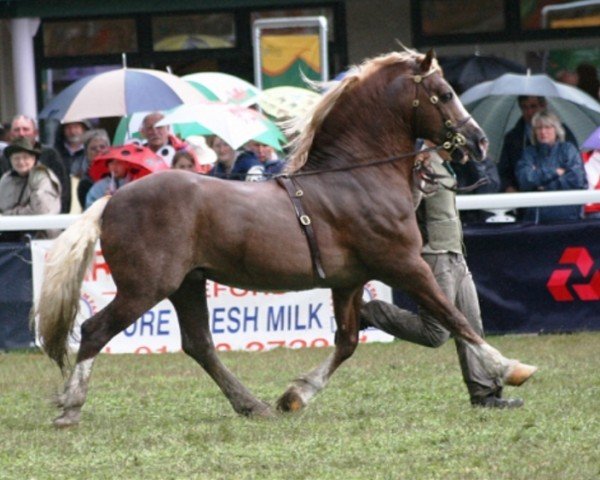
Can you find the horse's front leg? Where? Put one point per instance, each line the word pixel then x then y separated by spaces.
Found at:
pixel 346 305
pixel 424 288
pixel 196 340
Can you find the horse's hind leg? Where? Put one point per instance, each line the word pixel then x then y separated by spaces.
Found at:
pixel 346 305
pixel 96 332
pixel 196 340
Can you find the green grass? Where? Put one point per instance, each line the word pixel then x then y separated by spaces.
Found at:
pixel 393 411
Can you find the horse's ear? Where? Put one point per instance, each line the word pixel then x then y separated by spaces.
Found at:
pixel 426 63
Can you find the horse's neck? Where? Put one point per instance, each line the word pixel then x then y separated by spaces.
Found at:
pixel 366 182
pixel 354 148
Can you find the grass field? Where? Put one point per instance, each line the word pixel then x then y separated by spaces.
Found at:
pixel 393 411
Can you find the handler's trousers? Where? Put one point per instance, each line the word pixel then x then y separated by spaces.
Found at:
pixel 455 280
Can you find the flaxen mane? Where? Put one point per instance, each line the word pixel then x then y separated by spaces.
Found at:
pixel 308 125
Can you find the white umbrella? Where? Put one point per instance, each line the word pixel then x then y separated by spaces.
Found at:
pixel 224 87
pixel 494 105
pixel 516 84
pixel 233 123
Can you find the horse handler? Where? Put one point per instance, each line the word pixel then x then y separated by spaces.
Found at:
pixel 441 230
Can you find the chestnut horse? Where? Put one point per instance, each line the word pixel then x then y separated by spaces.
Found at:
pixel 163 236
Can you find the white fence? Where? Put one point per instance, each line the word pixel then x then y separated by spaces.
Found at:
pixel 499 202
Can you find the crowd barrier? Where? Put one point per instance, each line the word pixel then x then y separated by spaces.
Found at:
pixel 530 278
pixel 534 278
pixel 16 295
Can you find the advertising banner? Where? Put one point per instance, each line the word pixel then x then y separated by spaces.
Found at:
pixel 534 278
pixel 285 58
pixel 239 319
pixel 15 296
pixel 537 278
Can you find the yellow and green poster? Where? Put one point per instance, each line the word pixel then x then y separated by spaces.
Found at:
pixel 284 57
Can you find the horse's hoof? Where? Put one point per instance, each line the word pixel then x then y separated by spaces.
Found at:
pixel 59 400
pixel 68 419
pixel 518 374
pixel 263 410
pixel 290 401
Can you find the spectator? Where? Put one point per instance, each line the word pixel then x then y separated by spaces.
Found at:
pixel 205 155
pixel 591 161
pixel 467 175
pixel 25 127
pixel 5 132
pixel 28 188
pixel 159 139
pixel 185 160
pixel 96 142
pixel 567 76
pixel 231 164
pixel 69 143
pixel 4 139
pixel 550 163
pixel 587 79
pixel 520 137
pixel 272 165
pixel 118 176
pixel 443 251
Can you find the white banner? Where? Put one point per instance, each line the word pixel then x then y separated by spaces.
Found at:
pixel 239 319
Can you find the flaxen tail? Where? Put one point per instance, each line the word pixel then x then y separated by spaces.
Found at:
pixel 67 262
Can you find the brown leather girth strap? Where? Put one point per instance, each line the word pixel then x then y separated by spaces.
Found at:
pixel 295 193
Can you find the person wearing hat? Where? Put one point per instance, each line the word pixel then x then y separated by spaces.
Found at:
pixel 28 188
pixel 117 176
pixel 26 127
pixel 205 156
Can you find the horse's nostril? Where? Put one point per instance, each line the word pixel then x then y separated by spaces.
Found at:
pixel 483 145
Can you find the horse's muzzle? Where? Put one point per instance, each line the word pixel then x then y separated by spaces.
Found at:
pixel 474 150
pixel 483 145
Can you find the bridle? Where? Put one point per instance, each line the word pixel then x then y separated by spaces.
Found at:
pixel 452 145
pixel 454 139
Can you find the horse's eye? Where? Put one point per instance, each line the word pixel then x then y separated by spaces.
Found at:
pixel 446 97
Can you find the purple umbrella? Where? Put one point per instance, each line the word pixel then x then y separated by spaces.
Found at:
pixel 593 141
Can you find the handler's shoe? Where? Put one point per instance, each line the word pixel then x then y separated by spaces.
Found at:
pixel 491 401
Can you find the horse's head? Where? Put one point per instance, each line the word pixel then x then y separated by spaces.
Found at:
pixel 439 116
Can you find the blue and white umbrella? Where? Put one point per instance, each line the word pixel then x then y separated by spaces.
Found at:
pixel 120 92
